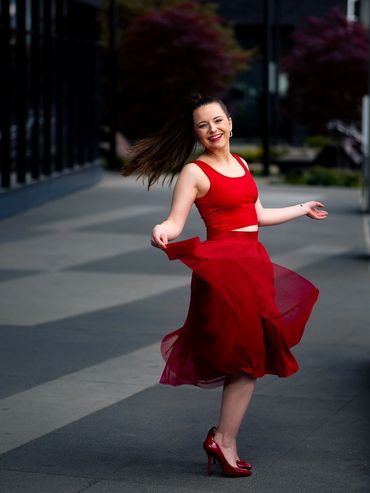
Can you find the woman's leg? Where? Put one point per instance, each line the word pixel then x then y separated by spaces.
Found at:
pixel 237 393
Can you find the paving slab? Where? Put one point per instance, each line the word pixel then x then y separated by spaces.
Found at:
pixel 25 482
pixel 92 296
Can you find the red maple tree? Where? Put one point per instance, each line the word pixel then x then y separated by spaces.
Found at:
pixel 327 71
pixel 168 53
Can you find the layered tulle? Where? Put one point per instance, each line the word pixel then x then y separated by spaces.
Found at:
pixel 245 312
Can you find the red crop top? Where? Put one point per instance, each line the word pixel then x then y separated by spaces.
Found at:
pixel 230 201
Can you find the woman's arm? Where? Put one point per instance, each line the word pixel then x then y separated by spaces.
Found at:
pixel 184 194
pixel 269 217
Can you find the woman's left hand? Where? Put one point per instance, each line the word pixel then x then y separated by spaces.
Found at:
pixel 312 210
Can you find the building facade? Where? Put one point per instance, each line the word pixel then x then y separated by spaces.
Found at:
pixel 245 97
pixel 49 96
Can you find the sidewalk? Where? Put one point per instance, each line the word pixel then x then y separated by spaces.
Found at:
pixel 85 301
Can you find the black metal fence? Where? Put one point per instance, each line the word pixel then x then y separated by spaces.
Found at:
pixel 49 96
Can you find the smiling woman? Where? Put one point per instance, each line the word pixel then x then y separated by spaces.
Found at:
pixel 245 313
pixel 214 127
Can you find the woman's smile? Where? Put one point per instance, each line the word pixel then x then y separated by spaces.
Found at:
pixel 215 138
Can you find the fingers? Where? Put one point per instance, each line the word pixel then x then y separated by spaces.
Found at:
pixel 159 241
pixel 160 245
pixel 163 244
pixel 314 204
pixel 321 213
pixel 159 237
pixel 317 214
pixel 315 211
pixel 323 216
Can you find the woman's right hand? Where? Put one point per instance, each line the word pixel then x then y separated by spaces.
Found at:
pixel 159 237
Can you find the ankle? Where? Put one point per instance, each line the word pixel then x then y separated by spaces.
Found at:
pixel 225 440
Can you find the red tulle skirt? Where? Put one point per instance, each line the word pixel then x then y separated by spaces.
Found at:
pixel 245 312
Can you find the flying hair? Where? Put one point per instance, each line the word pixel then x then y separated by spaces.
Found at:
pixel 164 153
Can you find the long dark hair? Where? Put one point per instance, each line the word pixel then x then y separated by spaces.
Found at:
pixel 164 153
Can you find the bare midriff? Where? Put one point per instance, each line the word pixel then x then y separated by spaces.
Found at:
pixel 253 227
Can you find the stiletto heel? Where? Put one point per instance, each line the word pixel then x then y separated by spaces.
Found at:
pixel 212 450
pixel 240 462
pixel 209 465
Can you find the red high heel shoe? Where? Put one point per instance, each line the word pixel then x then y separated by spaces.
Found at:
pixel 212 450
pixel 240 462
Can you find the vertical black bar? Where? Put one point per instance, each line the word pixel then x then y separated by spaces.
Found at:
pixel 86 93
pixel 266 120
pixel 90 85
pixel 35 89
pixel 87 84
pixel 4 94
pixel 80 86
pixel 77 80
pixel 90 92
pixel 113 84
pixel 94 100
pixel 276 48
pixel 47 88
pixel 21 90
pixel 59 87
pixel 71 87
pixel 96 94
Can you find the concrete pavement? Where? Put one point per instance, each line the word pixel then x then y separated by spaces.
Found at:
pixel 84 303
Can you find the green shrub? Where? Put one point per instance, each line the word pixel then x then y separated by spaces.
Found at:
pixel 254 154
pixel 319 141
pixel 318 175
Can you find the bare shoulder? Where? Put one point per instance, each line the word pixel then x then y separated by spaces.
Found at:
pixel 188 176
pixel 191 170
pixel 244 161
pixel 191 167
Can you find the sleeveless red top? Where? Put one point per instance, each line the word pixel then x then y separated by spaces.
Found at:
pixel 230 201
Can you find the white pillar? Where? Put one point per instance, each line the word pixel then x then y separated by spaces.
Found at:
pixel 351 10
pixel 364 18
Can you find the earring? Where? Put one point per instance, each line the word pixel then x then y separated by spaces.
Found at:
pixel 231 133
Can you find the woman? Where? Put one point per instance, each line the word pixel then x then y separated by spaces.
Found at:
pixel 245 312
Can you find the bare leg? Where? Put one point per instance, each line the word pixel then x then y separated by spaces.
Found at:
pixel 237 393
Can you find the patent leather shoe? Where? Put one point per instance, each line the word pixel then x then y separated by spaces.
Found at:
pixel 240 462
pixel 213 451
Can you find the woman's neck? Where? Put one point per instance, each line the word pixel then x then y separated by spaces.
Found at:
pixel 219 155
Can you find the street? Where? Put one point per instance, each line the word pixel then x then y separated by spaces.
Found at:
pixel 85 301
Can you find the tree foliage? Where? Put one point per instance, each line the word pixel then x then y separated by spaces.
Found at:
pixel 327 71
pixel 168 52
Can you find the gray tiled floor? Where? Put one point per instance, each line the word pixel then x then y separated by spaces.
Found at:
pixel 305 434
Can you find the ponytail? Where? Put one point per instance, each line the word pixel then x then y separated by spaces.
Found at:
pixel 165 152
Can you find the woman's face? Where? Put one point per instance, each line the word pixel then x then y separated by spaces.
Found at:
pixel 212 126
